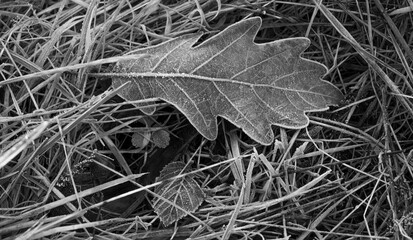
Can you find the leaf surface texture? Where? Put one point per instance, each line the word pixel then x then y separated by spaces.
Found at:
pixel 252 85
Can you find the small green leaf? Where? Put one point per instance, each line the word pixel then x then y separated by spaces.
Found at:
pixel 182 192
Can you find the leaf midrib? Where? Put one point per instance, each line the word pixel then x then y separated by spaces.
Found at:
pixel 210 79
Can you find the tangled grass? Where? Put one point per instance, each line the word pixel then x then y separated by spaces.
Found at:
pixel 69 170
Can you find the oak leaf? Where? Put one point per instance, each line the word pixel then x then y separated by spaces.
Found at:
pixel 252 85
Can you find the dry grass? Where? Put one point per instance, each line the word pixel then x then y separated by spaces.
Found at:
pixel 347 176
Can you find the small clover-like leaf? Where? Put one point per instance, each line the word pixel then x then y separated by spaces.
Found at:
pixel 184 194
pixel 161 138
pixel 140 140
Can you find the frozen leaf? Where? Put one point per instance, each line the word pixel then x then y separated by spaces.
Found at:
pixel 252 85
pixel 182 192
